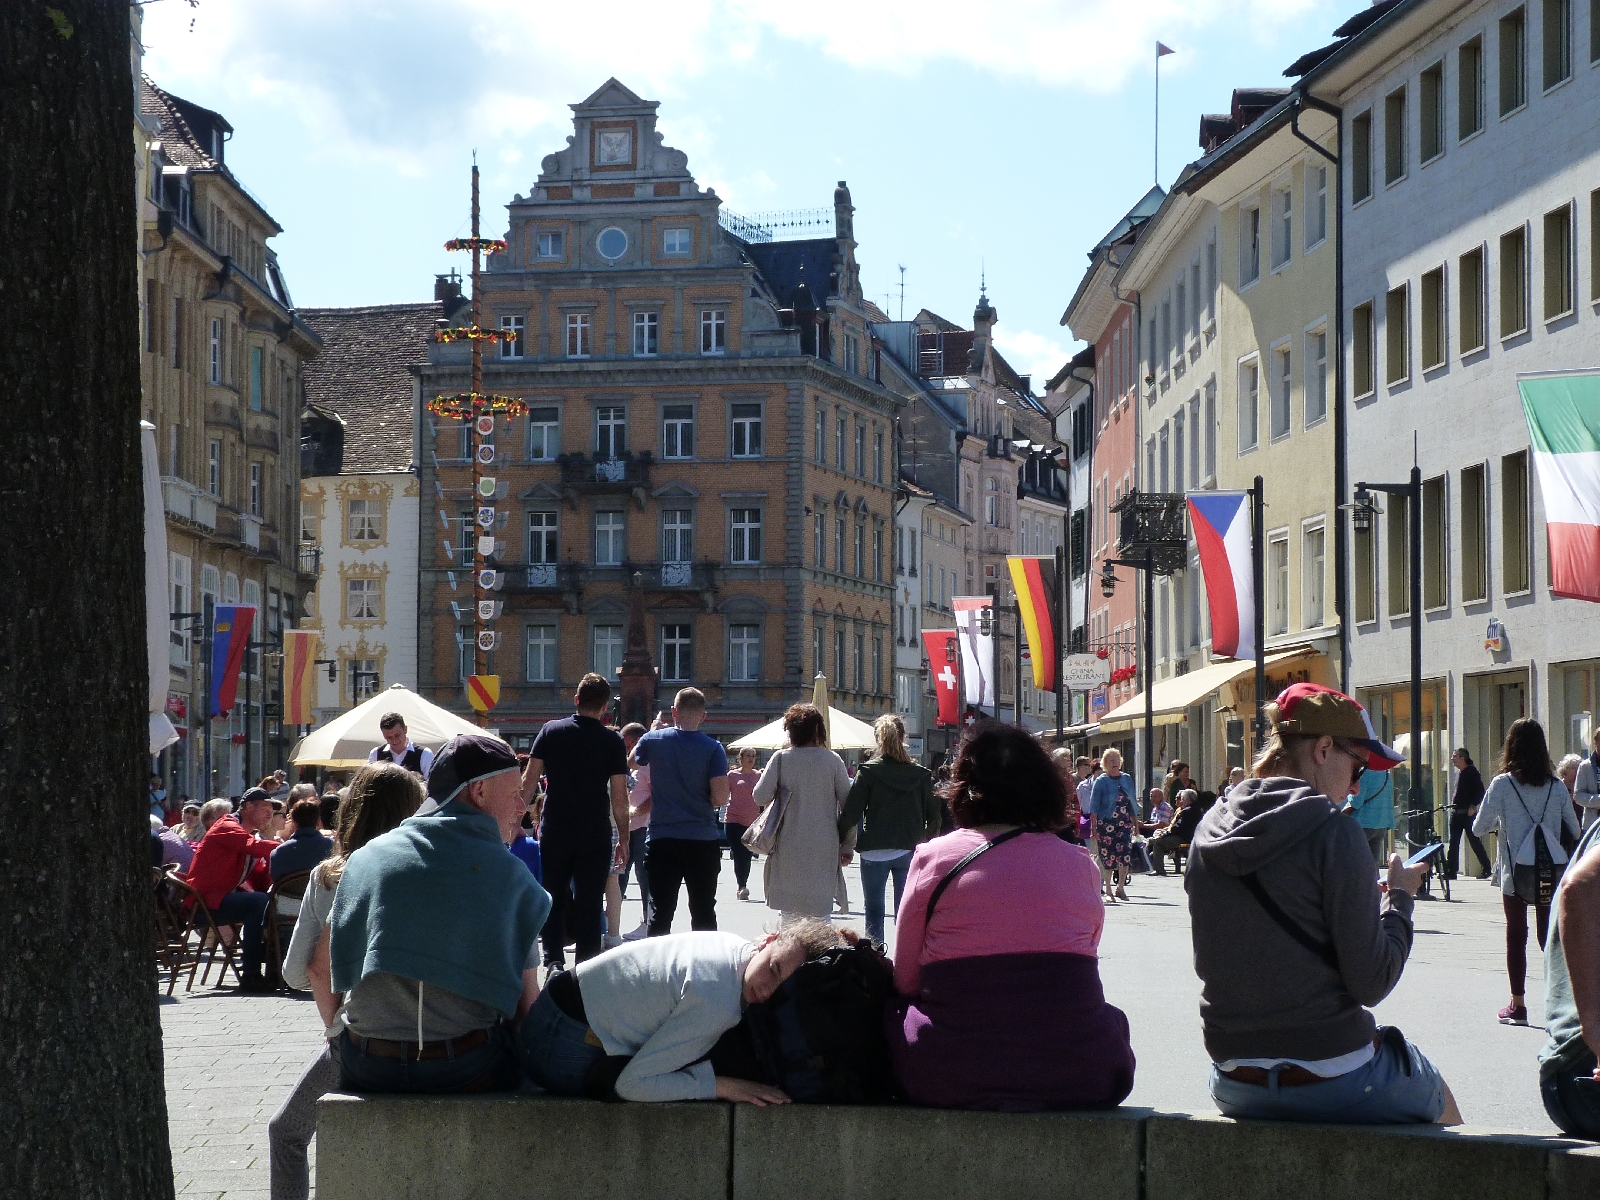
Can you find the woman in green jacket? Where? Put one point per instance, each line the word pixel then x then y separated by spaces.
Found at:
pixel 892 800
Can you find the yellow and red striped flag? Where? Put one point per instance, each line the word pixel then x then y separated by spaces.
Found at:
pixel 1035 582
pixel 299 676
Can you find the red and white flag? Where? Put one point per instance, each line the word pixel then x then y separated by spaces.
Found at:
pixel 942 670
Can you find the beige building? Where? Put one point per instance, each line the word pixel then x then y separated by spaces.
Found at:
pixel 220 368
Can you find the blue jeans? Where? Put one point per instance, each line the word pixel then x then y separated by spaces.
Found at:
pixel 556 1053
pixel 248 909
pixel 1398 1086
pixel 873 876
pixel 490 1067
pixel 635 863
pixel 1572 1098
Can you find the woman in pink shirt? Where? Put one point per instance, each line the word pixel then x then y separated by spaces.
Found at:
pixel 1001 1005
pixel 742 812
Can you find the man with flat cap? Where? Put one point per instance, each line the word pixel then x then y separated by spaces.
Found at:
pixel 435 936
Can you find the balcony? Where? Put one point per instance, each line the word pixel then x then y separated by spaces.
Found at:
pixel 188 503
pixel 250 530
pixel 223 410
pixel 587 474
pixel 309 561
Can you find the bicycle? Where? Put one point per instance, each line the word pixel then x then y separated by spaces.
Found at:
pixel 1434 864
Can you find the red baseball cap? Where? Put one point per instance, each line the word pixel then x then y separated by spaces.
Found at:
pixel 1312 710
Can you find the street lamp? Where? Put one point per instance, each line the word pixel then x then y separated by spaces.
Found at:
pixel 1108 581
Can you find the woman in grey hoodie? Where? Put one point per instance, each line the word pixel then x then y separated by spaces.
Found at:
pixel 1293 937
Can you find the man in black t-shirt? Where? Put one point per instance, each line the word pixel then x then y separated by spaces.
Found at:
pixel 586 800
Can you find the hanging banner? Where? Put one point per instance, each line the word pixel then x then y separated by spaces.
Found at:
pixel 230 636
pixel 1221 522
pixel 975 627
pixel 299 676
pixel 1563 414
pixel 1035 582
pixel 942 670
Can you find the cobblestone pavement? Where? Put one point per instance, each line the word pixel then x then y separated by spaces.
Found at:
pixel 232 1059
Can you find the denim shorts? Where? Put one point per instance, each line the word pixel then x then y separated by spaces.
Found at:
pixel 1397 1086
pixel 557 1052
pixel 1572 1098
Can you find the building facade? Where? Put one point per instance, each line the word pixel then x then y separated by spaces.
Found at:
pixel 220 367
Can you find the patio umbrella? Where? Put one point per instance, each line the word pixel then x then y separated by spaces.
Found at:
pixel 846 733
pixel 346 741
pixel 819 698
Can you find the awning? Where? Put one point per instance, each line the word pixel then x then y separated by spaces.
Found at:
pixel 1171 698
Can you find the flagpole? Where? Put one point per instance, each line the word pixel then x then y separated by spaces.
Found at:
pixel 1258 565
pixel 1156 148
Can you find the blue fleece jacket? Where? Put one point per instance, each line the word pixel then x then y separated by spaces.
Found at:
pixel 439 899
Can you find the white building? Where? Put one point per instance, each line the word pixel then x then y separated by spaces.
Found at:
pixel 1471 194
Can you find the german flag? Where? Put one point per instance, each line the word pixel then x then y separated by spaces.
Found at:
pixel 1035 582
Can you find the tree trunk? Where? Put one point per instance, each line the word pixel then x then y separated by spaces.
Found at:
pixel 81 1096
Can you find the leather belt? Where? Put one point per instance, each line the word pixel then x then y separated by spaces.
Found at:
pixel 426 1052
pixel 1290 1075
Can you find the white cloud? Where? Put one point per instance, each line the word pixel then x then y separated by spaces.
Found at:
pixel 1031 353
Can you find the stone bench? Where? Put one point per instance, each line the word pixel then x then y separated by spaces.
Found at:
pixel 497 1147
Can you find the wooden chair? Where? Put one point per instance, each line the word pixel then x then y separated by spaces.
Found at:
pixel 169 924
pixel 202 938
pixel 280 925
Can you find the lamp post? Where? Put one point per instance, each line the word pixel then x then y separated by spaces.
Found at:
pixel 205 619
pixel 1362 511
pixel 1108 588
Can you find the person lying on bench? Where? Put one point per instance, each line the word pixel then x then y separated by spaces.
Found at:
pixel 1292 936
pixel 655 1008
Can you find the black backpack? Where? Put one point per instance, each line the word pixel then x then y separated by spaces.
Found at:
pixel 821 1036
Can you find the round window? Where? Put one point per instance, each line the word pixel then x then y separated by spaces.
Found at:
pixel 612 243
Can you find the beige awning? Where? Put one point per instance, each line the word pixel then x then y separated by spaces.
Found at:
pixel 1171 698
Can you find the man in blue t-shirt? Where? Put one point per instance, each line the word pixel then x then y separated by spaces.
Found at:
pixel 688 783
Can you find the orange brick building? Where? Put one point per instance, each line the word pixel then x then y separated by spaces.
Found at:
pixel 706 433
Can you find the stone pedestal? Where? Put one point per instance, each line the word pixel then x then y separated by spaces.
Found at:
pixel 638 702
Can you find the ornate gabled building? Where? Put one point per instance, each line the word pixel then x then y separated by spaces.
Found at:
pixel 706 434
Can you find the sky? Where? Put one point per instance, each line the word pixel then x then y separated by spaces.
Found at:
pixel 983 143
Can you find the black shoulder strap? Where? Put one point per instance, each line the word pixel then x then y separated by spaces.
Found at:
pixel 950 875
pixel 1322 950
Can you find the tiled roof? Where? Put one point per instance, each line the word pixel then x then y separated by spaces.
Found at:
pixel 1346 33
pixel 364 375
pixel 786 265
pixel 180 122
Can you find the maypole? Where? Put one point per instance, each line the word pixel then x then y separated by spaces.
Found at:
pixel 483 412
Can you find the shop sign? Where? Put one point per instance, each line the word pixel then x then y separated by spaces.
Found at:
pixel 1099 703
pixel 177 706
pixel 1081 672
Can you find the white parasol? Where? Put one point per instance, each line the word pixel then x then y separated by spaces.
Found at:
pixel 346 741
pixel 844 731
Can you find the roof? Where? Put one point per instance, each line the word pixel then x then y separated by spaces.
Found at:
pixel 929 317
pixel 1140 212
pixel 364 376
pixel 874 314
pixel 1083 358
pixel 787 265
pixel 1006 376
pixel 183 127
pixel 1347 33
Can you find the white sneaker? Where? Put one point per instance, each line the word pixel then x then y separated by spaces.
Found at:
pixel 610 941
pixel 638 934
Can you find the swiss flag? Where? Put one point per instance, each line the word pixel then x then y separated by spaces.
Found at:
pixel 942 657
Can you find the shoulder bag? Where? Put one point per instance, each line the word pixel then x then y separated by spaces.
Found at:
pixel 762 836
pixel 1535 883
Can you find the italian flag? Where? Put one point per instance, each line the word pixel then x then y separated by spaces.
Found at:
pixel 1563 411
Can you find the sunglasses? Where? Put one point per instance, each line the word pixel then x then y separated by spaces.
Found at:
pixel 1360 765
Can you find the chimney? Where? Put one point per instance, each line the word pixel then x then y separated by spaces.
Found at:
pixel 447 287
pixel 843 220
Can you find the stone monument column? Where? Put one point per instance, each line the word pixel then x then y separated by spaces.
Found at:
pixel 638 702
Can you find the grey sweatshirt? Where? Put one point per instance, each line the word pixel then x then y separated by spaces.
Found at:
pixel 1263 994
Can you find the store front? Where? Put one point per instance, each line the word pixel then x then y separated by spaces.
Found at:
pixel 1390 709
pixel 1574 701
pixel 1490 703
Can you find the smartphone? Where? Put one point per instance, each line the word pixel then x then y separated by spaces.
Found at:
pixel 1417 859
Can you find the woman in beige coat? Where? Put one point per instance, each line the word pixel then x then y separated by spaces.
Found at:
pixel 801 874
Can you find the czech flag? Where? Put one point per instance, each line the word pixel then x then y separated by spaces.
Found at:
pixel 299 676
pixel 942 670
pixel 1221 522
pixel 1563 414
pixel 230 637
pixel 1035 582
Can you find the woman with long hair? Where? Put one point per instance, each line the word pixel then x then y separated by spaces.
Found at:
pixel 890 811
pixel 800 876
pixel 1525 803
pixel 381 796
pixel 742 812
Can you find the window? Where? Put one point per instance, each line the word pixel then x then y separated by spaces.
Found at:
pixel 1282 392
pixel 1594 31
pixel 861 450
pixel 1430 95
pixel 1211 279
pixel 819 539
pixel 991 503
pixel 822 435
pixel 860 546
pixel 877 456
pixel 675 243
pixel 677 535
pixel 255 378
pixel 606 655
pixel 1469 89
pixel 1594 213
pixel 512 330
pixel 612 244
pixel 539 643
pixel 1432 319
pixel 1513 66
pixel 646 334
pixel 178 633
pixel 177 333
pixel 543 538
pixel 746 430
pixel 838 545
pixel 1474 323
pixel 1313 575
pixel 1557 34
pixel 1399 541
pixel 1435 544
pixel 1394 136
pixel 255 489
pixel 210 583
pixel 551 244
pixel 1316 204
pixel 677 431
pixel 544 433
pixel 713 331
pixel 365 673
pixel 838 441
pixel 1249 245
pixel 1166 334
pixel 852 353
pixel 362 599
pixel 1363 350
pixel 610 432
pixel 1249 404
pixel 214 467
pixel 1474 534
pixel 1177 453
pixel 877 553
pixel 1211 431
pixel 1560 297
pixel 677 663
pixel 1282 229
pixel 1513 282
pixel 1316 376
pixel 818 636
pixel 744 653
pixel 1278 584
pixel 216 350
pixel 365 518
pixel 578 335
pixel 1515 571
pixel 859 648
pixel 745 545
pixel 1397 335
pixel 1361 157
pixel 610 539
pixel 1364 551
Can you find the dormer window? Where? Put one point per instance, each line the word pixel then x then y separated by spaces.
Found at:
pixel 551 245
pixel 216 144
pixel 675 243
